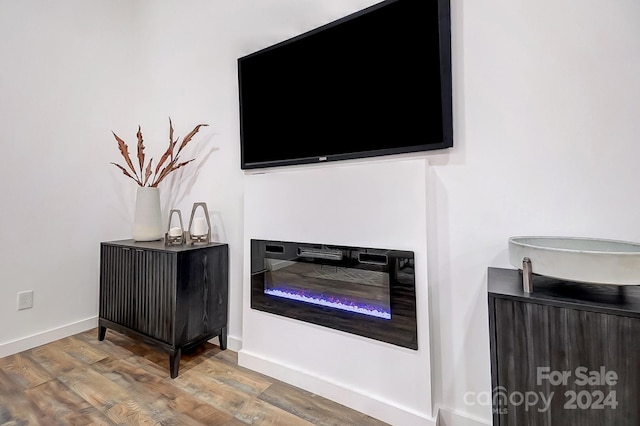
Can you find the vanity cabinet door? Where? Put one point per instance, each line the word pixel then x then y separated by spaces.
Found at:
pixel 561 366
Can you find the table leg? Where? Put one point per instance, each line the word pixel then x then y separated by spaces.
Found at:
pixel 102 332
pixel 223 338
pixel 174 362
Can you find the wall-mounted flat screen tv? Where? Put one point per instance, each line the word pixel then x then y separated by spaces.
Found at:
pixel 376 82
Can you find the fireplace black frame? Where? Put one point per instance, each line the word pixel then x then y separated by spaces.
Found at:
pixel 400 330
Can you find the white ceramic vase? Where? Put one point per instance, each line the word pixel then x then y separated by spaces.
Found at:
pixel 147 220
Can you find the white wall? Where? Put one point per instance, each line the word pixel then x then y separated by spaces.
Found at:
pixel 377 203
pixel 547 118
pixel 547 113
pixel 67 76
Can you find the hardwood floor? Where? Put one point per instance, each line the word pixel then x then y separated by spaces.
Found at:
pixel 81 381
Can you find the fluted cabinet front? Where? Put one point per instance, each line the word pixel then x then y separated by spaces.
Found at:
pixel 170 296
pixel 139 290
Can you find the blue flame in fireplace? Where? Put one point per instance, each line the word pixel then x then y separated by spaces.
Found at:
pixel 338 302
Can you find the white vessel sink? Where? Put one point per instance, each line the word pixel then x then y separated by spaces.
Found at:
pixel 585 260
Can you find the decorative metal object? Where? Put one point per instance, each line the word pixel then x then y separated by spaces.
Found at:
pixel 174 235
pixel 197 232
pixel 527 275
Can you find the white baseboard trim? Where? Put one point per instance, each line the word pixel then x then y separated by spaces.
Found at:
pixel 48 336
pixel 454 418
pixel 387 411
pixel 233 343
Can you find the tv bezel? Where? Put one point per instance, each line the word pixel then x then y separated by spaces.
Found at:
pixel 446 94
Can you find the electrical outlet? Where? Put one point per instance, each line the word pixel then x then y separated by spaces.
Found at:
pixel 25 300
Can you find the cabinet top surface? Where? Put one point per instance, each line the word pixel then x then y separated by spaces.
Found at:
pixel 159 245
pixel 612 299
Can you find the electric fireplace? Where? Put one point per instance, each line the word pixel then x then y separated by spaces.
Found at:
pixel 365 291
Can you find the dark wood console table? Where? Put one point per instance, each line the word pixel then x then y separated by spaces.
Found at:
pixel 567 354
pixel 173 297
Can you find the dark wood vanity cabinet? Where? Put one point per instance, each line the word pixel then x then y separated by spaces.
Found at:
pixel 566 354
pixel 173 297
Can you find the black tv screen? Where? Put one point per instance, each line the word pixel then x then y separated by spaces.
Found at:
pixel 376 82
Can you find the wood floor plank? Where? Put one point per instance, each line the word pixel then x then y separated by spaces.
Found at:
pixel 131 412
pixel 110 399
pixel 246 381
pixel 224 397
pixel 93 387
pixel 7 386
pixel 158 392
pixel 79 349
pixel 63 406
pixel 80 380
pixel 258 412
pixel 23 371
pixel 136 366
pixel 234 422
pixel 18 409
pixel 317 410
pixel 193 357
pixel 110 345
pixel 54 359
pixel 230 357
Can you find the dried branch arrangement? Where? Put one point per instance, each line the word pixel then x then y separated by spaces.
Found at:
pixel 169 162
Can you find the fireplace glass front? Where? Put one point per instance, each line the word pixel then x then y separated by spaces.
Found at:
pixel 364 291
